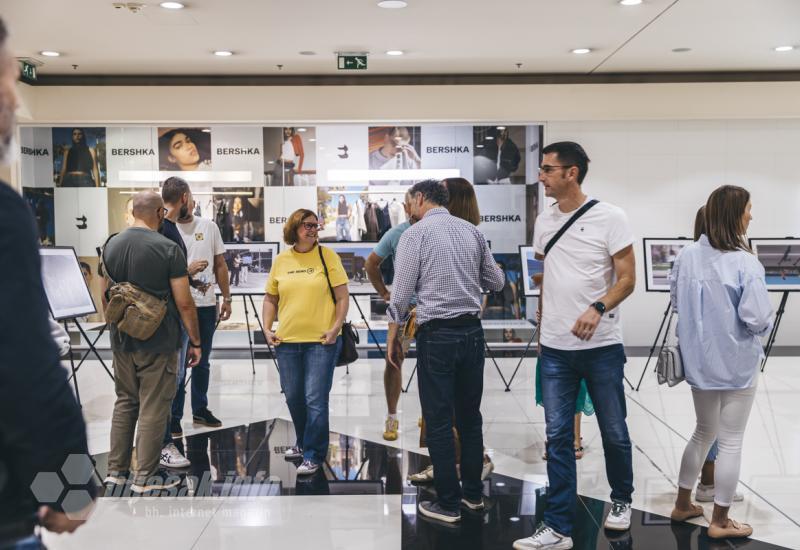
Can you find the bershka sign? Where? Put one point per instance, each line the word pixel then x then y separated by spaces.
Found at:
pixel 35 151
pixel 131 152
pixel 447 150
pixel 501 218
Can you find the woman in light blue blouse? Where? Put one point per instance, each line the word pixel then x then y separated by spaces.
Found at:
pixel 718 290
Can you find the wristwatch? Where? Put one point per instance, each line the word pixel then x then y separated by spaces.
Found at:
pixel 228 300
pixel 600 307
pixel 193 345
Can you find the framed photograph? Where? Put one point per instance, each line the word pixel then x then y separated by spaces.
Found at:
pixel 249 265
pixel 354 259
pixel 532 270
pixel 781 261
pixel 659 255
pixel 64 283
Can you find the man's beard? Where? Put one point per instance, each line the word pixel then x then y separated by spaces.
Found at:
pixel 8 145
pixel 184 213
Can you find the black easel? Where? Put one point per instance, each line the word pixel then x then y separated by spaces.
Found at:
pixel 246 297
pixel 774 333
pixel 655 343
pixel 364 318
pixel 524 353
pixel 92 349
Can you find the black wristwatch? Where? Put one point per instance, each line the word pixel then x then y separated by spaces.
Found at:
pixel 600 307
pixel 193 345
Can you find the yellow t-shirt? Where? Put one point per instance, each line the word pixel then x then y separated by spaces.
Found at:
pixel 305 306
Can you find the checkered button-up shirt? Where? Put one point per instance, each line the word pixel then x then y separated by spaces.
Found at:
pixel 446 262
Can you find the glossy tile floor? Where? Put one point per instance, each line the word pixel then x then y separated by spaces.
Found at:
pixel 372 506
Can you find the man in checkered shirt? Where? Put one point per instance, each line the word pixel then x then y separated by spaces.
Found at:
pixel 446 262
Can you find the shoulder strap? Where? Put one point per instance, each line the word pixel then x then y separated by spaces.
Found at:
pixel 325 267
pixel 581 211
pixel 103 259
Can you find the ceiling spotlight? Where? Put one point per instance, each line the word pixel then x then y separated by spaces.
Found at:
pixel 479 146
pixel 392 4
pixel 778 49
pixel 172 5
pixel 223 53
pixel 489 138
pixel 501 127
pixel 307 52
pixel 513 519
pixel 395 52
pixel 630 2
pixel 50 53
pixel 206 130
pixel 581 51
pixel 301 129
pixel 681 50
pixel 312 139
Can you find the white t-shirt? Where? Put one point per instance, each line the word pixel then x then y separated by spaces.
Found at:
pixel 203 241
pixel 578 271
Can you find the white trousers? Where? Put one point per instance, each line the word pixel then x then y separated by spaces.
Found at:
pixel 721 415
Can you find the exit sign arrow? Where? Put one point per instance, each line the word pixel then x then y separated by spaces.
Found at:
pixel 352 62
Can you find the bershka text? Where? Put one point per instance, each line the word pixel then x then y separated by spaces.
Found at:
pixel 126 152
pixel 35 152
pixel 227 151
pixel 447 149
pixel 501 218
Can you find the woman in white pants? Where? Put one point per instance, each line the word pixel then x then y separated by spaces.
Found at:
pixel 718 290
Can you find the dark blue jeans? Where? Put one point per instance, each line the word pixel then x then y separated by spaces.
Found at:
pixel 179 391
pixel 306 372
pixel 450 380
pixel 562 371
pixel 201 373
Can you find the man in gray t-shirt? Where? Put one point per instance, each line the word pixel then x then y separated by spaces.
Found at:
pixel 145 371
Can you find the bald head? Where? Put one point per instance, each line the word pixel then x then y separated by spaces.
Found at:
pixel 147 208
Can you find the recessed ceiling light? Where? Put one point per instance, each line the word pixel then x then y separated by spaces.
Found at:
pixel 307 52
pixel 514 519
pixel 392 4
pixel 630 2
pixel 581 51
pixel 312 139
pixel 50 53
pixel 395 52
pixel 172 5
pixel 301 129
pixel 223 53
pixel 681 50
pixel 489 138
pixel 479 146
pixel 206 130
pixel 778 49
pixel 501 127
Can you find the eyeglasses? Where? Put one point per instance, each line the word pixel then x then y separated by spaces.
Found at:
pixel 547 169
pixel 309 226
pixel 162 210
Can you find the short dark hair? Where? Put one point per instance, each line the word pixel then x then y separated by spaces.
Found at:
pixel 3 33
pixel 570 154
pixel 173 189
pixel 432 191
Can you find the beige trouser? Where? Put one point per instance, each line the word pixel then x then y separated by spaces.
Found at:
pixel 145 384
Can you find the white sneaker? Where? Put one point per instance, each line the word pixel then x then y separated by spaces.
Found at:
pixel 425 476
pixel 705 493
pixel 544 538
pixel 307 468
pixel 488 468
pixel 293 452
pixel 171 457
pixel 619 518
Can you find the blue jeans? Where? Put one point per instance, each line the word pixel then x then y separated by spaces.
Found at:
pixel 207 319
pixel 712 452
pixel 31 543
pixel 342 229
pixel 306 372
pixel 562 371
pixel 179 391
pixel 450 380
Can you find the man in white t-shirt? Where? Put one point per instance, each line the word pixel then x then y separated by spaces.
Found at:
pixel 588 272
pixel 203 244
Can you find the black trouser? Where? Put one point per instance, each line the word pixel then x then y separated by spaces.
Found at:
pixel 450 357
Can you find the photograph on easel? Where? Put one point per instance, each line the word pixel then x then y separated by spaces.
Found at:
pixel 659 256
pixel 532 270
pixel 64 284
pixel 354 260
pixel 249 266
pixel 781 261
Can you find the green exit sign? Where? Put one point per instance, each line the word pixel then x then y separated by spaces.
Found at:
pixel 27 71
pixel 353 62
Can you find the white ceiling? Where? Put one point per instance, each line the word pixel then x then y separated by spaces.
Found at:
pixel 439 36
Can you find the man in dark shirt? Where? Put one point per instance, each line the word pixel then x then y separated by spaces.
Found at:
pixel 146 370
pixel 40 421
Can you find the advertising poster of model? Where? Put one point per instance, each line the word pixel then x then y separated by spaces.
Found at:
pixel 79 157
pixel 341 211
pixel 290 156
pixel 354 260
pixel 659 255
pixel 498 154
pixel 394 150
pixel 239 214
pixel 64 284
pixel 507 303
pixel 532 270
pixel 184 149
pixel 249 266
pixel 41 201
pixel 781 261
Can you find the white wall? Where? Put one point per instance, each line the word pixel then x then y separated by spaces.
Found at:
pixel 661 172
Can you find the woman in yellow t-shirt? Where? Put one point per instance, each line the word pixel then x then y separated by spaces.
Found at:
pixel 308 338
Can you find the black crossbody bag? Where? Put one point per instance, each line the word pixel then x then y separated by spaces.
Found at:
pixel 581 211
pixel 349 351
